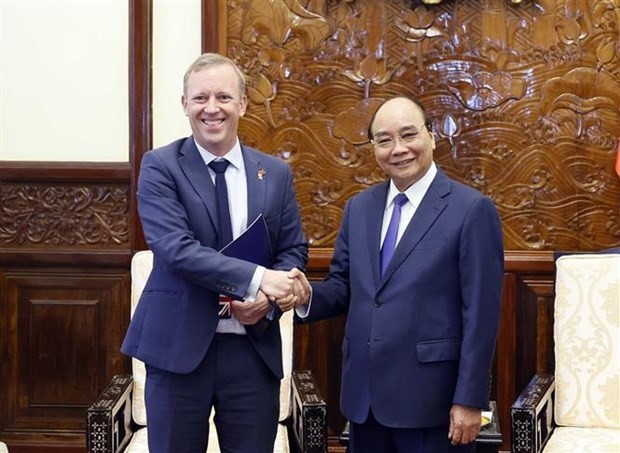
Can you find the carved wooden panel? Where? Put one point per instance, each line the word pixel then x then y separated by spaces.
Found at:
pixel 61 333
pixel 524 99
pixel 64 215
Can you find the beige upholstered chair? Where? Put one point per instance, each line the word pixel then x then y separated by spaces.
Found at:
pixel 578 408
pixel 117 420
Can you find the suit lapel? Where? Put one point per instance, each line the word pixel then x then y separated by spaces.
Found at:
pixel 433 203
pixel 198 175
pixel 374 220
pixel 256 181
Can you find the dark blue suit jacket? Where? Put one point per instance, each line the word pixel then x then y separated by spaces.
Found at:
pixel 422 337
pixel 177 315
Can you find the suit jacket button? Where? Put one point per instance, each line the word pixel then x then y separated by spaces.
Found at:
pixel 378 303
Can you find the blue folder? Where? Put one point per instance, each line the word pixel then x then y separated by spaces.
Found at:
pixel 252 245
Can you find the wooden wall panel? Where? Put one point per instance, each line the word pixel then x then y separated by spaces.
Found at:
pixel 64 215
pixel 55 213
pixel 62 329
pixel 140 101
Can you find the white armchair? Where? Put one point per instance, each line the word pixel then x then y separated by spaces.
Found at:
pixel 578 408
pixel 116 422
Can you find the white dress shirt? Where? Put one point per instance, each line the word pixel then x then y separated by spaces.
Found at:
pixel 414 194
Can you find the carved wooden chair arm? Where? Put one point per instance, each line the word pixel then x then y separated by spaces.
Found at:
pixel 109 424
pixel 309 419
pixel 532 415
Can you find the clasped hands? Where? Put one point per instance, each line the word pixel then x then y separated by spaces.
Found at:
pixel 287 289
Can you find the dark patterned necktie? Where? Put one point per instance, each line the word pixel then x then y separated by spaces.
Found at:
pixel 223 210
pixel 223 218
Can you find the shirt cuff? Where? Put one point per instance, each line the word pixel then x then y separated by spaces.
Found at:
pixel 304 310
pixel 251 293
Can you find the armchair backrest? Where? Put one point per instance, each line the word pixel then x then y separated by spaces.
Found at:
pixel 587 340
pixel 141 265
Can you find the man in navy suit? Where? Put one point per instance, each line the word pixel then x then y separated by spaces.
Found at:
pixel 421 324
pixel 197 357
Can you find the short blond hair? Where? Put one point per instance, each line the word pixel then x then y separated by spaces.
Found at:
pixel 208 60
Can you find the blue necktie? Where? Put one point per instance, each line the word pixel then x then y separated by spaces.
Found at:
pixel 223 211
pixel 389 243
pixel 224 226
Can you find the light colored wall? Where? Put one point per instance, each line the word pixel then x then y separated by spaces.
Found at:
pixel 64 80
pixel 176 43
pixel 64 77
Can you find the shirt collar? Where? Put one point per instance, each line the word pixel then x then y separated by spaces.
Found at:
pixel 234 156
pixel 417 190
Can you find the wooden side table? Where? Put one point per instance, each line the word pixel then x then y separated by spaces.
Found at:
pixel 490 438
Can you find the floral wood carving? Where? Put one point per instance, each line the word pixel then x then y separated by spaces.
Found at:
pixel 523 99
pixel 35 215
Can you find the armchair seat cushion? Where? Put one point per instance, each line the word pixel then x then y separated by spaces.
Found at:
pixel 587 440
pixel 587 341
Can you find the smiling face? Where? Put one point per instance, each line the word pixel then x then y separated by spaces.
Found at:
pixel 213 103
pixel 402 123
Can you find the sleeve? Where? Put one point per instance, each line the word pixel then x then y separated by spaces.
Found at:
pixel 331 297
pixel 481 270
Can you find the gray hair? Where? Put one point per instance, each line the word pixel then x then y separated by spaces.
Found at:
pixel 427 122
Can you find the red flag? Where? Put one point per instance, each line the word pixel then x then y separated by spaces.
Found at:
pixel 618 158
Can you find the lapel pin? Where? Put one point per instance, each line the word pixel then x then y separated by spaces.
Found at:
pixel 261 174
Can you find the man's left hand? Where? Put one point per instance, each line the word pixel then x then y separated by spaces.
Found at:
pixel 464 424
pixel 249 313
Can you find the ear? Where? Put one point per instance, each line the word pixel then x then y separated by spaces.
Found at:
pixel 243 104
pixel 432 136
pixel 184 104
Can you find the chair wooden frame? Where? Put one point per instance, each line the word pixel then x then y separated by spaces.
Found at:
pixel 533 413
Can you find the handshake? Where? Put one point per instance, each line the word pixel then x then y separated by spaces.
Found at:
pixel 287 289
